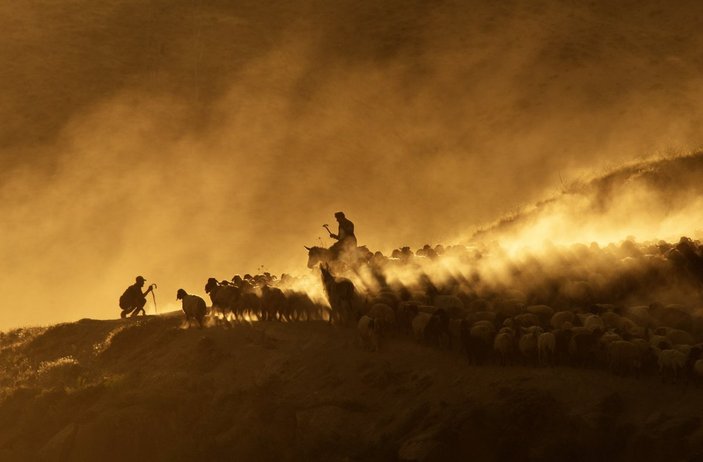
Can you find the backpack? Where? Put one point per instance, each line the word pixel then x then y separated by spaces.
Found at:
pixel 126 299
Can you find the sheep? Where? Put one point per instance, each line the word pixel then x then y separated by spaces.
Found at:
pixel 368 333
pixel 405 314
pixel 194 307
pixel 451 303
pixel 675 316
pixel 607 338
pixel 544 312
pixel 560 317
pixel 528 343
pixel 508 308
pixel 386 297
pixel 300 305
pixel 679 337
pixel 429 309
pixel 480 305
pixel 639 314
pixel 455 333
pixel 504 345
pixel 593 322
pixel 384 316
pixel 489 325
pixel 482 316
pixel 437 329
pixel 562 339
pixel 630 328
pixel 222 296
pixel 649 358
pixel 659 341
pixel 671 363
pixel 604 344
pixel 612 320
pixel 698 371
pixel 526 320
pixel 477 340
pixel 273 303
pixel 249 303
pixel 583 346
pixel 624 358
pixel 693 356
pixel 418 324
pixel 546 348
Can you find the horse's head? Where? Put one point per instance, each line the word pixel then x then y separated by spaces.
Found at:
pixel 316 255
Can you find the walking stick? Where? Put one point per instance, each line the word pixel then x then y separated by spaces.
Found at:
pixel 153 296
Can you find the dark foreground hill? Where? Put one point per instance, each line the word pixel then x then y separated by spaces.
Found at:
pixel 150 390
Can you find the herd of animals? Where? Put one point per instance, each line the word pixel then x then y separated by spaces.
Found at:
pixel 630 308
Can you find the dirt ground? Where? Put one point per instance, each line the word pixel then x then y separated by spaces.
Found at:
pixel 148 389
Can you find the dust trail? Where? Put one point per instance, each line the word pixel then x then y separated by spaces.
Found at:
pixel 181 140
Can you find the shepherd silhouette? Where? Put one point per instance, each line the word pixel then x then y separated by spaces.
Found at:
pixel 346 240
pixel 133 300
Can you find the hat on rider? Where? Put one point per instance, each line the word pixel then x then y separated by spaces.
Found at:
pixel 339 215
pixel 140 279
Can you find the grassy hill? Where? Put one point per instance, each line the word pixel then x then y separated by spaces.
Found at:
pixel 149 390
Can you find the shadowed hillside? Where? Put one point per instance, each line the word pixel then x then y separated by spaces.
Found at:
pixel 149 390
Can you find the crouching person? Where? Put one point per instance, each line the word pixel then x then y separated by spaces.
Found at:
pixel 193 306
pixel 133 300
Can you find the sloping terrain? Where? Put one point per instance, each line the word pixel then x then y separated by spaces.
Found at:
pixel 148 389
pixel 651 200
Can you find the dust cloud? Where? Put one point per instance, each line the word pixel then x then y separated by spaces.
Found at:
pixel 189 139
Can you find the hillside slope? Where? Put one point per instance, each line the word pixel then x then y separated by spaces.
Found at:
pixel 150 390
pixel 650 200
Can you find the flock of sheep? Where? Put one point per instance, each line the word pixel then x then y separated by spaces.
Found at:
pixel 630 308
pixel 263 297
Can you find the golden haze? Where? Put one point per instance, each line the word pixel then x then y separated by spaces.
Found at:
pixel 182 140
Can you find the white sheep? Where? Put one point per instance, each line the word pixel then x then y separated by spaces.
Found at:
pixel 194 307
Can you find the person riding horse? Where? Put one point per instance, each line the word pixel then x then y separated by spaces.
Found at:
pixel 346 240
